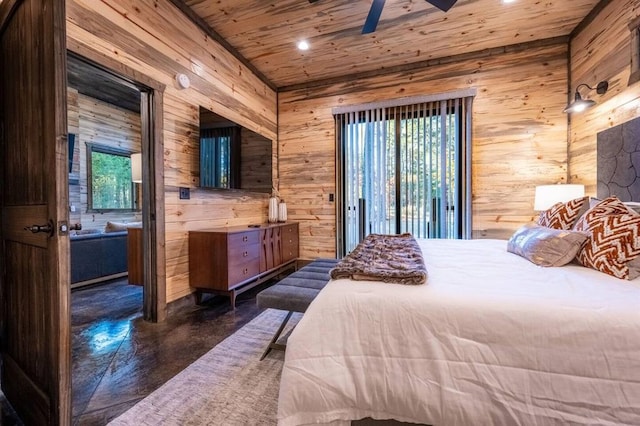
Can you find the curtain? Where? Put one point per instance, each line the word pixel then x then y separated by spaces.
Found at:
pixel 404 168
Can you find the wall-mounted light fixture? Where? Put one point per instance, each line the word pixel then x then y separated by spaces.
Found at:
pixel 579 104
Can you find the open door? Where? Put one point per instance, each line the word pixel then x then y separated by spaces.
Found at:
pixel 34 253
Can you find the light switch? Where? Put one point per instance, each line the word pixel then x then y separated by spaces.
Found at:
pixel 184 193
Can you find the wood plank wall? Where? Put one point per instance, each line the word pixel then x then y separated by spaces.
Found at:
pixel 519 138
pixel 100 123
pixel 155 39
pixel 602 51
pixel 73 127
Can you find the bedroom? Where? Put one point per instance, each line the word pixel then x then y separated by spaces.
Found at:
pixel 521 136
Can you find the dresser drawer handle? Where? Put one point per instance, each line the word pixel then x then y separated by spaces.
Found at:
pixel 245 254
pixel 245 271
pixel 245 238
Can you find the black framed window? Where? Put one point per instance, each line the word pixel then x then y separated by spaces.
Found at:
pixel 109 185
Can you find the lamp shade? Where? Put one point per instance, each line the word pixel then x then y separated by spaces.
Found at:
pixel 579 105
pixel 548 195
pixel 136 167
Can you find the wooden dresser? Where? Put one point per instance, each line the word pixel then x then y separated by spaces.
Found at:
pixel 231 260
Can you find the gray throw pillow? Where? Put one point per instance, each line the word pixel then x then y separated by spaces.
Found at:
pixel 546 246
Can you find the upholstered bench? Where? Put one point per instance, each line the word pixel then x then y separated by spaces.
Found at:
pixel 294 294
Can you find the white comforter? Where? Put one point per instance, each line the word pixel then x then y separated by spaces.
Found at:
pixel 490 340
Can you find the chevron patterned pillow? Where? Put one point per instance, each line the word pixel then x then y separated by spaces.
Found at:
pixel 613 245
pixel 563 215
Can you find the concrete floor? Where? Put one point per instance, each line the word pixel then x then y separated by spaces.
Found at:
pixel 118 358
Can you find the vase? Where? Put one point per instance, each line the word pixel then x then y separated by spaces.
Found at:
pixel 282 211
pixel 273 210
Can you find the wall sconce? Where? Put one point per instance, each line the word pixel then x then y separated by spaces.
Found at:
pixel 579 104
pixel 136 167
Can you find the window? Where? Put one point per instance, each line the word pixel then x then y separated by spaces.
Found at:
pixel 109 183
pixel 404 169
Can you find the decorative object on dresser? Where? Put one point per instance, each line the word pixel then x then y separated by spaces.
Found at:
pixel 231 260
pixel 273 207
pixel 282 211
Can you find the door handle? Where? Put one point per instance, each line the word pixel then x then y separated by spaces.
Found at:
pixel 48 228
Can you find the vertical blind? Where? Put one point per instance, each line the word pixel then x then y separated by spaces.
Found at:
pixel 404 169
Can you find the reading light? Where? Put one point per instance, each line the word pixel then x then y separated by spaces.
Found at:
pixel 579 104
pixel 547 195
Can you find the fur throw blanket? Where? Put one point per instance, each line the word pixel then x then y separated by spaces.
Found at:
pixel 388 258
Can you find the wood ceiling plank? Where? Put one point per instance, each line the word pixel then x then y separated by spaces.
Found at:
pixel 409 31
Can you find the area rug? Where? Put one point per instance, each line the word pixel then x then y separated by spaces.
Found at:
pixel 229 385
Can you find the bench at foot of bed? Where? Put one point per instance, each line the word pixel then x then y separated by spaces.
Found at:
pixel 295 293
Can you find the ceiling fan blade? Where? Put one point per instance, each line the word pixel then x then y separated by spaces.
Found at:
pixel 443 5
pixel 374 16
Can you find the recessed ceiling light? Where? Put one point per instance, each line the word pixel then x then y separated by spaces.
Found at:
pixel 508 1
pixel 303 45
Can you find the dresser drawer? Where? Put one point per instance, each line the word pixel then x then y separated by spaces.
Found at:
pixel 241 239
pixel 237 256
pixel 289 230
pixel 244 271
pixel 290 242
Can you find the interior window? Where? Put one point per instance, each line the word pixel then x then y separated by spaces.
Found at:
pixel 109 175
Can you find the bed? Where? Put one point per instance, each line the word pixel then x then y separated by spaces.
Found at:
pixel 491 339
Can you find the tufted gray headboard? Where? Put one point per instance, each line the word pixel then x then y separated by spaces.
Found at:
pixel 619 161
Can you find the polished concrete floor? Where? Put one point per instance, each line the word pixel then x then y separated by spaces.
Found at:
pixel 118 358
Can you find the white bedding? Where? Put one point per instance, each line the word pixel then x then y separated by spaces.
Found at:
pixel 490 340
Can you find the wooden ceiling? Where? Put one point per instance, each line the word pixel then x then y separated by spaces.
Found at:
pixel 265 33
pixel 99 84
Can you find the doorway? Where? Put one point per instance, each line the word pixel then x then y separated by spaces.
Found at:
pixel 105 196
pixel 129 91
pixel 113 238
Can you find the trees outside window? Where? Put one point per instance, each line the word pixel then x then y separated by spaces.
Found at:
pixel 109 183
pixel 404 169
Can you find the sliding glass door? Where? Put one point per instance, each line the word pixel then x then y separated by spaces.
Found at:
pixel 403 169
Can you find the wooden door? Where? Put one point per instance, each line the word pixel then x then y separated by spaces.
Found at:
pixel 33 191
